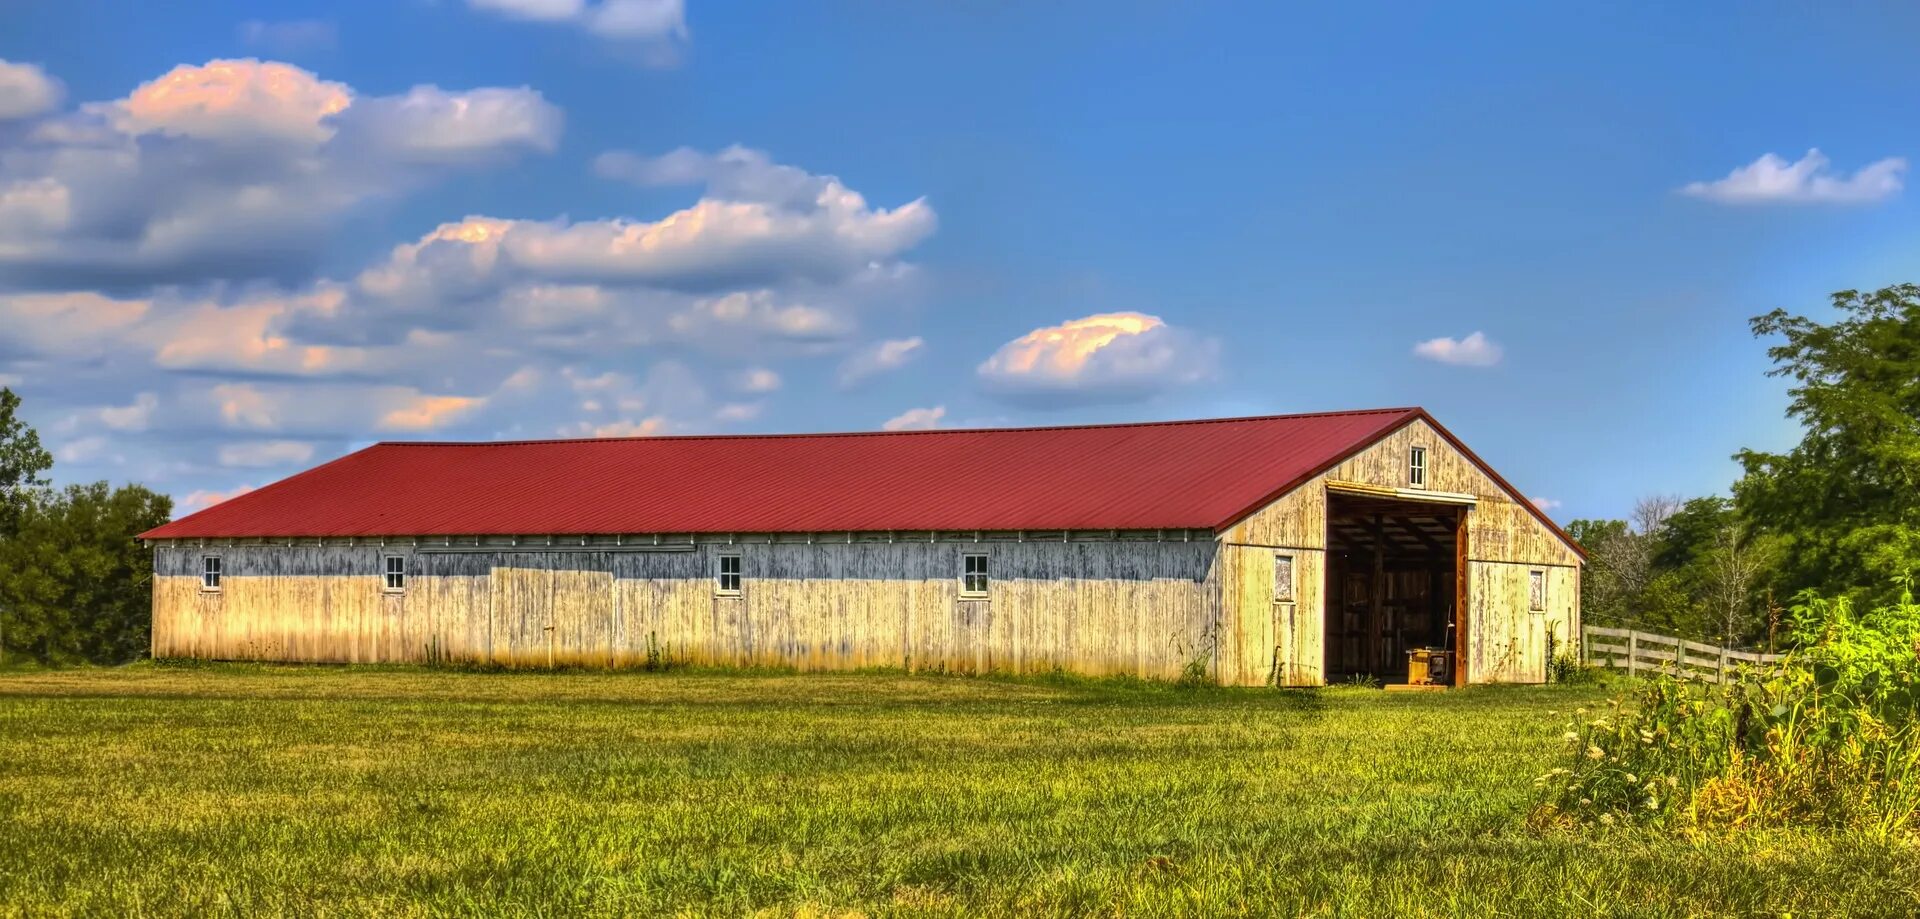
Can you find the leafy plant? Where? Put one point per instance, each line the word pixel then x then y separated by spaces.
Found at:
pixel 1828 737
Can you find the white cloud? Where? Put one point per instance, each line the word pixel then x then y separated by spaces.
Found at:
pixel 233 169
pixel 879 357
pixel 26 91
pixel 1108 357
pixel 82 450
pixel 430 125
pixel 266 453
pixel 760 314
pixel 1475 350
pixel 916 419
pixel 656 24
pixel 756 380
pixel 1545 504
pixel 134 417
pixel 740 234
pixel 1772 180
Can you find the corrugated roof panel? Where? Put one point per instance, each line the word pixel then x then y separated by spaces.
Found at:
pixel 1183 474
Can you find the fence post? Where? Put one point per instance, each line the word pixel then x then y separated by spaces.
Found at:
pixel 1723 665
pixel 1633 652
pixel 1679 657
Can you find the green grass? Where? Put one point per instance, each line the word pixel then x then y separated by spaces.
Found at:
pixel 250 790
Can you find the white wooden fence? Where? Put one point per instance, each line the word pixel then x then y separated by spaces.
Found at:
pixel 1647 653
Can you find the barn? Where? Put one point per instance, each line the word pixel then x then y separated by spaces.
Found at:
pixel 1291 550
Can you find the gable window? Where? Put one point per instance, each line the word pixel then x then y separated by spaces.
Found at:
pixel 209 572
pixel 1537 591
pixel 727 577
pixel 396 573
pixel 1283 579
pixel 973 575
pixel 1417 467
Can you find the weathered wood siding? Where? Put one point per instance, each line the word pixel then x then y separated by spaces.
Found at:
pixel 1506 640
pixel 1138 607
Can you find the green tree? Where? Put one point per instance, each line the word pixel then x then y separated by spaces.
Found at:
pixel 79 585
pixel 1844 504
pixel 23 462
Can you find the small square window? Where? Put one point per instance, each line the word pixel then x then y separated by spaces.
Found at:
pixel 396 573
pixel 1283 579
pixel 210 572
pixel 727 581
pixel 973 575
pixel 1417 467
pixel 1537 591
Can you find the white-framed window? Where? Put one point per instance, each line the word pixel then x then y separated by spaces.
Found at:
pixel 394 573
pixel 726 576
pixel 209 572
pixel 1417 467
pixel 1282 578
pixel 1537 591
pixel 973 574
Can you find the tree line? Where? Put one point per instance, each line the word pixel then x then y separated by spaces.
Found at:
pixel 1837 515
pixel 75 587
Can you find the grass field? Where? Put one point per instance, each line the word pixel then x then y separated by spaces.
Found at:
pixel 259 790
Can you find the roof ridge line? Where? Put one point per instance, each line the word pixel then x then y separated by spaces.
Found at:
pixel 821 434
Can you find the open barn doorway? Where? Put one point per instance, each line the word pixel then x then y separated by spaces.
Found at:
pixel 1394 597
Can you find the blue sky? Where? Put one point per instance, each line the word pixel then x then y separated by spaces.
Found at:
pixel 231 247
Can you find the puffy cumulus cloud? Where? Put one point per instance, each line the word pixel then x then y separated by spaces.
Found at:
pixel 26 91
pixel 1475 350
pixel 474 329
pixel 657 27
pixel 1108 357
pixel 232 169
pixel 877 358
pixel 744 244
pixel 254 453
pixel 233 100
pixel 916 419
pixel 1808 180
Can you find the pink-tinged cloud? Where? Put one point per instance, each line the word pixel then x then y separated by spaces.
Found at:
pixel 201 500
pixel 422 412
pixel 1107 357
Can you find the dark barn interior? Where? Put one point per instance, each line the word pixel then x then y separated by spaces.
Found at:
pixel 1392 578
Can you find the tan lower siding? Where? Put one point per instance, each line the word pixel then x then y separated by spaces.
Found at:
pixel 1273 642
pixel 1507 641
pixel 1140 608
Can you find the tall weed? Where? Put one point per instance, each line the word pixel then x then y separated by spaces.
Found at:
pixel 1827 737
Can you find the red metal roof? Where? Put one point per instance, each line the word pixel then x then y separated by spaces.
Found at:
pixel 1172 475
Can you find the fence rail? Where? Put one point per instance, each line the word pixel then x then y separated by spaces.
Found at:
pixel 1644 652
